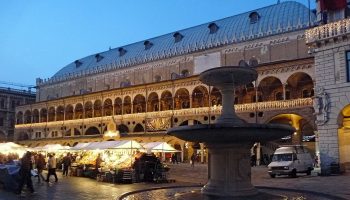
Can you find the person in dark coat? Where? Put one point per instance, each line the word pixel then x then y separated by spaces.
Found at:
pixel 40 165
pixel 67 161
pixel 25 173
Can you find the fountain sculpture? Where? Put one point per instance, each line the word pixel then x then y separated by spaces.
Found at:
pixel 229 140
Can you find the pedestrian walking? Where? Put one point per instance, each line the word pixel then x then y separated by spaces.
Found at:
pixel 67 161
pixel 40 165
pixel 25 173
pixel 193 159
pixel 51 168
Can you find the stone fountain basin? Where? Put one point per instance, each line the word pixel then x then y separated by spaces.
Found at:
pixel 231 133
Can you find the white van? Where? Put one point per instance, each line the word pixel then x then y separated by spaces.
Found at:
pixel 290 160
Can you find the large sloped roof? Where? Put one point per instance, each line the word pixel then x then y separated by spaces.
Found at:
pixel 275 19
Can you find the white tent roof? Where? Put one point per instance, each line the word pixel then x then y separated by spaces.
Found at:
pixel 80 146
pixel 51 147
pixel 122 144
pixel 159 147
pixel 9 146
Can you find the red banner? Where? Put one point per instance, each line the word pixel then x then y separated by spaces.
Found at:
pixel 332 4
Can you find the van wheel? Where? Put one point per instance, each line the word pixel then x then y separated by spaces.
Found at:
pixel 272 175
pixel 308 172
pixel 294 173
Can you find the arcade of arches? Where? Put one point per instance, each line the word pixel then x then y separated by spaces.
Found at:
pixel 166 104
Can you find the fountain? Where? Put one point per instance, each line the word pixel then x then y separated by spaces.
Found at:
pixel 229 140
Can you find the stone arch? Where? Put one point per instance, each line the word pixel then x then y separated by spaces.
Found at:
pixel 118 104
pixel 303 126
pixel 215 97
pixel 127 105
pixel 122 128
pixel 69 112
pixel 88 108
pixel 139 128
pixel 43 115
pixel 153 102
pixel 92 131
pixel 51 114
pixel 270 89
pixel 107 107
pixel 98 108
pixel 27 117
pixel 300 85
pixel 35 116
pixel 344 136
pixel 139 104
pixel 76 132
pixel 200 97
pixel 60 113
pixel 166 101
pixel 78 111
pixel 182 99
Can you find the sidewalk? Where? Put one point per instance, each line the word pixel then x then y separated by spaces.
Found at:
pixel 334 185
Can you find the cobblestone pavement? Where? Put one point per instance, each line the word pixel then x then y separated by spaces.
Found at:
pixel 69 188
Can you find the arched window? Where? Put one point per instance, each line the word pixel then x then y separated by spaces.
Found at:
pixel 177 37
pixel 242 63
pixel 185 73
pixel 157 78
pixel 253 62
pixel 254 17
pixel 213 28
pixel 279 96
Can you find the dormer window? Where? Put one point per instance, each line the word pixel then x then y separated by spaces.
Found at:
pixel 242 63
pixel 77 63
pixel 147 44
pixel 178 37
pixel 213 28
pixel 253 62
pixel 98 57
pixel 122 51
pixel 254 17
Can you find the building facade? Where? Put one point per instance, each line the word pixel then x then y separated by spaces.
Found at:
pixel 9 99
pixel 139 90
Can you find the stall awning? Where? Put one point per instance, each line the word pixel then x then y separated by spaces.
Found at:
pixel 80 146
pixel 159 147
pixel 51 147
pixel 10 146
pixel 122 144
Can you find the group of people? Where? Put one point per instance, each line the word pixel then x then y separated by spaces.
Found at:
pixel 31 161
pixel 8 158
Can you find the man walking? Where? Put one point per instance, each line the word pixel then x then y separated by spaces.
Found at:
pixel 66 164
pixel 51 168
pixel 25 173
pixel 40 165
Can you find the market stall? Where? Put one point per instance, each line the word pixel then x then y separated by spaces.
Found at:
pixel 104 158
pixel 162 149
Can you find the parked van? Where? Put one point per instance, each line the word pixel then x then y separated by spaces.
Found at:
pixel 290 160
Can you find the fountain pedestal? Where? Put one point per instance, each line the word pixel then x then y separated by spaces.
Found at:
pixel 229 140
pixel 229 171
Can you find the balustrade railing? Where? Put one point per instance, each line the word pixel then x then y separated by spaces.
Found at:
pixel 214 110
pixel 327 31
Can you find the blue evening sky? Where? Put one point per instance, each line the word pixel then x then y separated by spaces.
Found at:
pixel 39 37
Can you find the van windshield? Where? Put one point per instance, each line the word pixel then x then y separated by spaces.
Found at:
pixel 282 157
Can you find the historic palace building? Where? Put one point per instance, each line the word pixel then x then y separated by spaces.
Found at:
pixel 9 99
pixel 140 90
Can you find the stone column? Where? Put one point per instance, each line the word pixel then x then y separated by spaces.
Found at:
pixel 228 171
pixel 202 152
pixel 284 90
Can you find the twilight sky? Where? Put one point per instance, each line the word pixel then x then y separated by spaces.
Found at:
pixel 39 37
